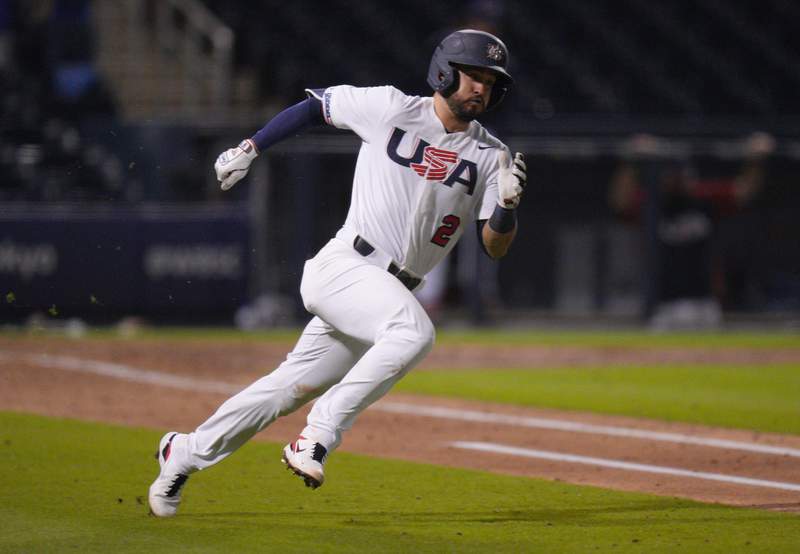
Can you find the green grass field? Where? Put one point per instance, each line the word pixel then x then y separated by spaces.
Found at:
pixel 72 486
pixel 764 398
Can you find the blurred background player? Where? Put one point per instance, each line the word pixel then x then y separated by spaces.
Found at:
pixel 694 258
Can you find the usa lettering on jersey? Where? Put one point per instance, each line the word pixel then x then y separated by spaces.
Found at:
pixel 433 163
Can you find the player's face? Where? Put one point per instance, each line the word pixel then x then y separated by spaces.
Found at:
pixel 474 90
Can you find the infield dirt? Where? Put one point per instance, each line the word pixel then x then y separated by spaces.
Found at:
pixel 31 387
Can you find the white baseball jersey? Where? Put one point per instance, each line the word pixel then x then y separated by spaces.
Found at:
pixel 416 186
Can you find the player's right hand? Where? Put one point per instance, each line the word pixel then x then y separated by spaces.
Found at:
pixel 233 164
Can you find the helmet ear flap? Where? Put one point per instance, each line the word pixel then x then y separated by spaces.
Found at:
pixel 453 86
pixel 442 76
pixel 498 93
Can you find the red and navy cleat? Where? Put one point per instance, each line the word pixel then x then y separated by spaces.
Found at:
pixel 305 458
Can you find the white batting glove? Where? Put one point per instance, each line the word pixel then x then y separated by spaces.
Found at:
pixel 233 164
pixel 512 179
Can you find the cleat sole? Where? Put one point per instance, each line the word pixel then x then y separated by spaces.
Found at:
pixel 309 481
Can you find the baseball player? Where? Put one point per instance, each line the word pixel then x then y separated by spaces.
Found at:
pixel 425 169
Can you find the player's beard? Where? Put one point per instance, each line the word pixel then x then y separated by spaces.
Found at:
pixel 464 109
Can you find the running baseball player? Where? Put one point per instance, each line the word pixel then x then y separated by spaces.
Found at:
pixel 425 170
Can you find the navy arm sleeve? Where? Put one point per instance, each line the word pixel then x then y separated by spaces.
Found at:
pixel 289 122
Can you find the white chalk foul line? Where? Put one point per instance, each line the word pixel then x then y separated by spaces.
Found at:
pixel 122 372
pixel 618 464
pixel 137 375
pixel 574 427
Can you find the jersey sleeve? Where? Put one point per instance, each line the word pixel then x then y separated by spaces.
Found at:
pixel 361 110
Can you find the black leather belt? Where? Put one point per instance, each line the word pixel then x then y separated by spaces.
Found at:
pixel 365 249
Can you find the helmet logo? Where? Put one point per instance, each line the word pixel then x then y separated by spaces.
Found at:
pixel 494 52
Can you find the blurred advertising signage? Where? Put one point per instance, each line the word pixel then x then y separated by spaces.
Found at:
pixel 25 261
pixel 165 263
pixel 199 261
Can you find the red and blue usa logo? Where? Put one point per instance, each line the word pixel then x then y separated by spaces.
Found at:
pixel 433 163
pixel 434 166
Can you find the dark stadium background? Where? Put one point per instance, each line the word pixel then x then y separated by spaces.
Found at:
pixel 112 113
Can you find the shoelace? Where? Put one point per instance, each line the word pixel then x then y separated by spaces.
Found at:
pixel 320 453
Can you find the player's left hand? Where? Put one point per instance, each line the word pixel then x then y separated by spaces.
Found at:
pixel 512 179
pixel 233 164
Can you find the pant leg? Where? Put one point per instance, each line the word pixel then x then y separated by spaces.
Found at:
pixel 320 358
pixel 370 305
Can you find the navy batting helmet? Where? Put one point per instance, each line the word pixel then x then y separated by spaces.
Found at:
pixel 470 48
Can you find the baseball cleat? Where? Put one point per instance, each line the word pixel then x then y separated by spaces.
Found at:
pixel 305 458
pixel 165 492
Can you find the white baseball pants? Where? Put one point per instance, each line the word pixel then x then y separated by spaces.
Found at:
pixel 368 331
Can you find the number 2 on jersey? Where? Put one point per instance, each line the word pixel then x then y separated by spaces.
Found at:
pixel 449 226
